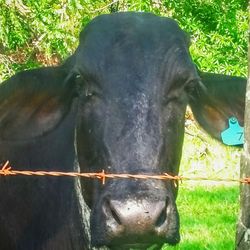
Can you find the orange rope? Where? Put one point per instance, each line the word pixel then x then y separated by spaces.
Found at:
pixel 7 171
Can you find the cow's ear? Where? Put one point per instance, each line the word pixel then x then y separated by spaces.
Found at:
pixel 34 102
pixel 216 100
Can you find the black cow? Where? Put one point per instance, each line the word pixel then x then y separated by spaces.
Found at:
pixel 120 101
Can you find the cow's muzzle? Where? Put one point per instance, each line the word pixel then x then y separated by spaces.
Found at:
pixel 137 221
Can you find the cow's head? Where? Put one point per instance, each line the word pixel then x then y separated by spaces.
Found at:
pixel 136 76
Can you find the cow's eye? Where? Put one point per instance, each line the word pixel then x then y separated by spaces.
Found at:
pixel 175 96
pixel 191 86
pixel 79 80
pixel 91 91
pixel 87 86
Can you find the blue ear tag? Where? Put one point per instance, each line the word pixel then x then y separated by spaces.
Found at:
pixel 234 135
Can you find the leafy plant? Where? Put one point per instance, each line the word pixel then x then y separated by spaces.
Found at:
pixel 46 32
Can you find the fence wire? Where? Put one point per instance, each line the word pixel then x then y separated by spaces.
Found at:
pixel 7 170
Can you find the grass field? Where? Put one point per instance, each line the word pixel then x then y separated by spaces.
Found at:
pixel 208 217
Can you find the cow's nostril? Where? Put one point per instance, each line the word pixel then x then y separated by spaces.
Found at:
pixel 115 215
pixel 111 212
pixel 161 219
pixel 162 216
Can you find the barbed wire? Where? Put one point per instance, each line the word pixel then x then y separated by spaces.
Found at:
pixel 7 170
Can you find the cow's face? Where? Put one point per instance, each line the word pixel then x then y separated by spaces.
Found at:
pixel 135 72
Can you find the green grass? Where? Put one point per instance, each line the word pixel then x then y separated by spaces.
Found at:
pixel 208 217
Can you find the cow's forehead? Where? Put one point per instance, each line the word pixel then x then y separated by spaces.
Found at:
pixel 129 40
pixel 131 22
pixel 134 29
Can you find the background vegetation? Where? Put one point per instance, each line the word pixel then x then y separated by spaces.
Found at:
pixel 45 32
pixel 35 33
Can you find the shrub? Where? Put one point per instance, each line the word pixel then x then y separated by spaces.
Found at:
pixel 45 32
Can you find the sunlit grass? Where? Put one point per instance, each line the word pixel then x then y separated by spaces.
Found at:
pixel 208 217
